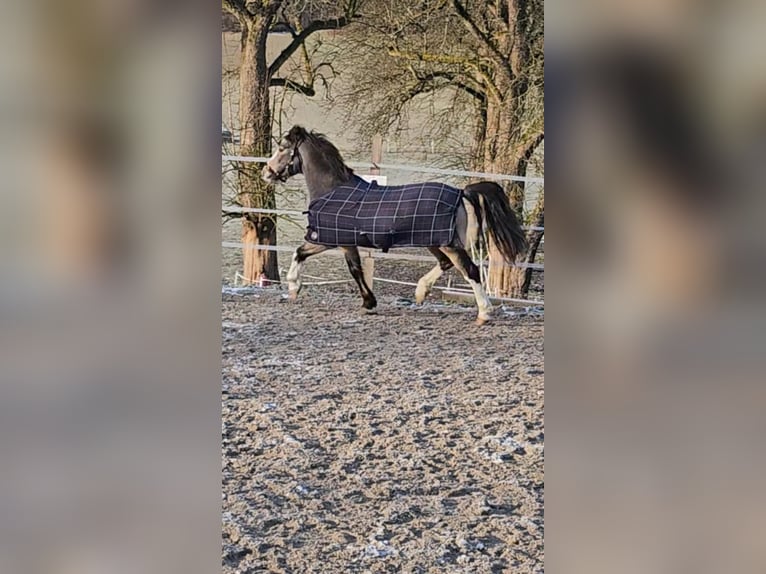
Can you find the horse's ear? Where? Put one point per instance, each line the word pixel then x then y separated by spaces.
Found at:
pixel 296 134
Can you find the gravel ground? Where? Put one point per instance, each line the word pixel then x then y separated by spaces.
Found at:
pixel 409 440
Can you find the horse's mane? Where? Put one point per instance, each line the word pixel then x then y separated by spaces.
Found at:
pixel 327 153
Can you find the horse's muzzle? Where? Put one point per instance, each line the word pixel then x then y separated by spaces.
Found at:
pixel 271 176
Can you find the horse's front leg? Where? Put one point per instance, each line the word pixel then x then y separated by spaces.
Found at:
pixel 427 281
pixel 354 263
pixel 305 251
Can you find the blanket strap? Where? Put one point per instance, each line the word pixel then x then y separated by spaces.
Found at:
pixel 387 242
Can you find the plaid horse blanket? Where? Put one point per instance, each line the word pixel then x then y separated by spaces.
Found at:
pixel 365 214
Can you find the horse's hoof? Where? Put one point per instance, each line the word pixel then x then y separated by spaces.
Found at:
pixel 293 294
pixel 369 304
pixel 482 321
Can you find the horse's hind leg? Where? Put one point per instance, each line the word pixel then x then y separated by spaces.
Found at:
pixel 470 271
pixel 305 251
pixel 354 263
pixel 427 281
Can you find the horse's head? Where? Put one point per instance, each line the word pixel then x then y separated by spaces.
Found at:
pixel 286 161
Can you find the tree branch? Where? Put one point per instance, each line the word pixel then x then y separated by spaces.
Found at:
pixel 308 68
pixel 476 94
pixel 273 6
pixel 533 146
pixel 290 85
pixel 534 238
pixel 426 57
pixel 298 39
pixel 416 90
pixel 521 167
pixel 483 37
pixel 237 9
pixel 451 60
pixel 231 215
pixel 454 81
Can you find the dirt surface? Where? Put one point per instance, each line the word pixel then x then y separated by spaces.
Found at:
pixel 406 441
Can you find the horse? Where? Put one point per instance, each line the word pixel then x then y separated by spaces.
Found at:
pixel 478 206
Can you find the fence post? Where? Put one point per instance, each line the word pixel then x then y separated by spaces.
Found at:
pixel 368 268
pixel 377 153
pixel 368 263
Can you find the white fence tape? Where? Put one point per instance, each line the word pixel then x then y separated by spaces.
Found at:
pixel 466 291
pixel 238 276
pixel 407 167
pixel 364 253
pixel 447 289
pixel 237 209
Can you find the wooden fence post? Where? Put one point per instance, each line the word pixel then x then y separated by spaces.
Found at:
pixel 377 153
pixel 368 268
pixel 368 263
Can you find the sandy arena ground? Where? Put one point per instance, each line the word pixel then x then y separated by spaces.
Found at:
pixel 406 441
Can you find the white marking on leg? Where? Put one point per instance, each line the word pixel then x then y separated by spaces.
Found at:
pixel 426 282
pixel 294 276
pixel 482 301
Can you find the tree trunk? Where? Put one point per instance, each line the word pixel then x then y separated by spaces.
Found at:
pixel 505 280
pixel 502 155
pixel 520 279
pixel 255 121
pixel 507 150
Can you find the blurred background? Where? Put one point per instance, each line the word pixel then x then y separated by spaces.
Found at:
pixel 110 263
pixel 109 293
pixel 656 122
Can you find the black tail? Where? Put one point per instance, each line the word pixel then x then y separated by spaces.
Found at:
pixel 494 210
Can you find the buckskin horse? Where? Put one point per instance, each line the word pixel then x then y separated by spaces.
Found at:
pixel 348 212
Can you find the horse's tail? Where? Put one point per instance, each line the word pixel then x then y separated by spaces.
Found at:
pixel 493 211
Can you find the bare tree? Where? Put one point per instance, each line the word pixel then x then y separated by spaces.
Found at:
pixel 255 18
pixel 487 56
